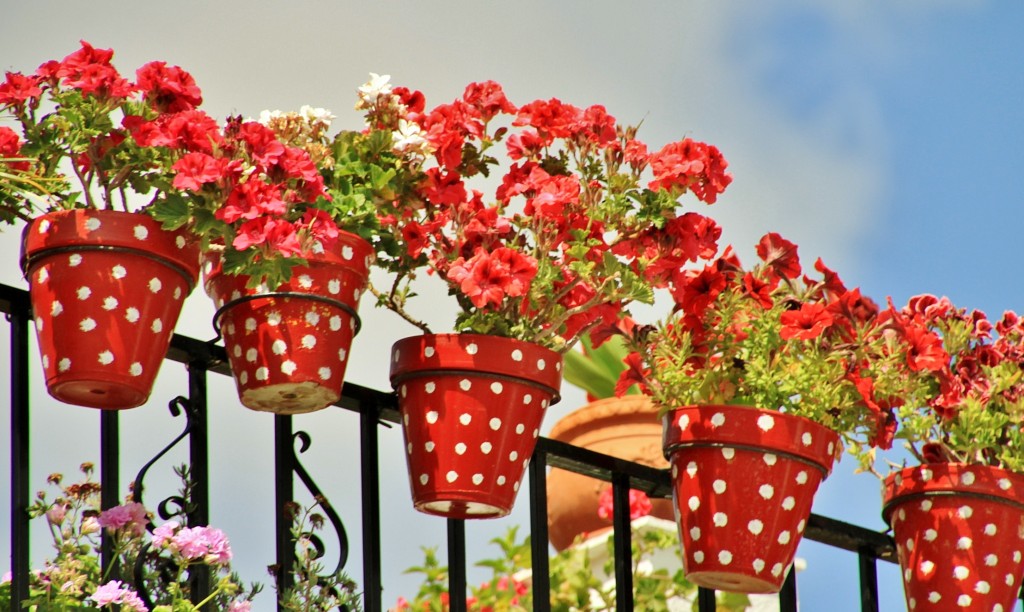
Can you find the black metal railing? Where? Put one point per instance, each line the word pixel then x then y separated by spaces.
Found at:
pixel 375 408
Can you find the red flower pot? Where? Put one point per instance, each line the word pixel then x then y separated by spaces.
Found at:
pixel 106 288
pixel 959 533
pixel 471 409
pixel 743 483
pixel 288 348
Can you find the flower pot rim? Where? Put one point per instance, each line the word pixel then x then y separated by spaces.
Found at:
pixel 818 451
pixel 34 250
pixel 452 355
pixel 629 405
pixel 948 479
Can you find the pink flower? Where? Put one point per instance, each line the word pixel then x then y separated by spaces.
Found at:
pixel 114 592
pixel 164 533
pixel 240 606
pixel 132 517
pixel 205 543
pixel 639 504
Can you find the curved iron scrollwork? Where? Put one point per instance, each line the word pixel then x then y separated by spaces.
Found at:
pixel 169 508
pixel 328 510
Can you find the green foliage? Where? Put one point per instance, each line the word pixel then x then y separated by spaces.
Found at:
pixel 597 370
pixel 575 585
pixel 312 589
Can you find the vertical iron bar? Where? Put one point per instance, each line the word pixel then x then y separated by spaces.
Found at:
pixel 623 543
pixel 110 465
pixel 868 583
pixel 199 513
pixel 284 492
pixel 539 532
pixel 787 596
pixel 20 486
pixel 457 565
pixel 706 600
pixel 369 460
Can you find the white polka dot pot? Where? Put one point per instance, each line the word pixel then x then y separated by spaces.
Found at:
pixel 471 408
pixel 289 348
pixel 743 483
pixel 106 289
pixel 959 532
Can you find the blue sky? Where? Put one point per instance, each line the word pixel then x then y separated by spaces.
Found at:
pixel 886 138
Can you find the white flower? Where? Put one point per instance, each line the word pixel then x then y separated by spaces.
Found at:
pixel 317 115
pixel 267 116
pixel 376 87
pixel 409 138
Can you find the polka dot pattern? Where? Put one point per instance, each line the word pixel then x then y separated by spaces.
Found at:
pixel 748 505
pixel 959 532
pixel 105 317
pixel 474 421
pixel 289 354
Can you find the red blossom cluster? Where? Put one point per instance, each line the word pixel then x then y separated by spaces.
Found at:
pixel 119 134
pixel 260 188
pixel 961 360
pixel 570 231
pixel 732 329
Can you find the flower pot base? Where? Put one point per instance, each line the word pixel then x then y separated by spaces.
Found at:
pixel 93 392
pixel 733 582
pixel 289 398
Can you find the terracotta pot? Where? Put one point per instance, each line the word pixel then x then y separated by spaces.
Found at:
pixel 625 427
pixel 471 409
pixel 743 483
pixel 289 348
pixel 106 288
pixel 959 532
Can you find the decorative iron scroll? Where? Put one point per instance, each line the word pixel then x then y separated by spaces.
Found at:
pixel 305 441
pixel 166 569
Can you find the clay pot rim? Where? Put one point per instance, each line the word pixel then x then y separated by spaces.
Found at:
pixel 945 479
pixel 609 406
pixel 814 453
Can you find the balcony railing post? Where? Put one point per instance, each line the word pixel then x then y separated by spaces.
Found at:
pixel 284 494
pixel 623 542
pixel 787 596
pixel 868 583
pixel 370 465
pixel 199 472
pixel 110 486
pixel 457 565
pixel 539 531
pixel 20 486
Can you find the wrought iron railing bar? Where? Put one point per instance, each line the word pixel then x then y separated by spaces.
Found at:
pixel 284 493
pixel 622 542
pixel 652 481
pixel 457 565
pixel 110 483
pixel 199 471
pixel 706 600
pixel 787 596
pixel 18 315
pixel 539 532
pixel 868 583
pixel 369 462
pixel 853 538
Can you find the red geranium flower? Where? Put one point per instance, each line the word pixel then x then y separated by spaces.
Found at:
pixel 488 277
pixel 779 254
pixel 807 323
